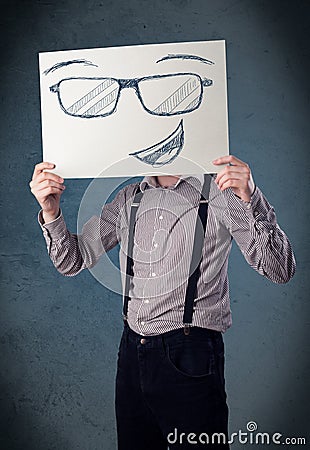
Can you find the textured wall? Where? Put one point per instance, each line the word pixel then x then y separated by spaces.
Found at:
pixel 59 336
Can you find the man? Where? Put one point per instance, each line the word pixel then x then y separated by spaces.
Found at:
pixel 170 386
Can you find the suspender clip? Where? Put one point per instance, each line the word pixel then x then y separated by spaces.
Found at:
pixel 187 329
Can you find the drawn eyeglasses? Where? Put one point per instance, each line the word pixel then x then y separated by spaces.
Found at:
pixel 160 95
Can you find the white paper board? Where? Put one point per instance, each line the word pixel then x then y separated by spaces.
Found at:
pixel 136 110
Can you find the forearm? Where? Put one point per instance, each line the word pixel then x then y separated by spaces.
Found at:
pixel 264 245
pixel 277 261
pixel 62 246
pixel 71 253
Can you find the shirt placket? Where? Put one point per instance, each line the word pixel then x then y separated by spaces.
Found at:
pixel 160 230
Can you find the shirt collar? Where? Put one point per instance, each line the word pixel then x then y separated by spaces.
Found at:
pixel 151 181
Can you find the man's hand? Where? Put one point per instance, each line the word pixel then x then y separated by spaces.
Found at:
pixel 237 175
pixel 47 188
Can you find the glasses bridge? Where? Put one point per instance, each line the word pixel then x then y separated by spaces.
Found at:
pixel 129 83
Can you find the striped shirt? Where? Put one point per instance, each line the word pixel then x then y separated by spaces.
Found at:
pixel 163 243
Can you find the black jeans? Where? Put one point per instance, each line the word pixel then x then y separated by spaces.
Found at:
pixel 170 391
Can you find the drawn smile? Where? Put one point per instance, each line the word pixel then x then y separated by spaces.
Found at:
pixel 165 151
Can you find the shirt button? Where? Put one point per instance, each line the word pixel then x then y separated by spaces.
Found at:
pixel 155 245
pixel 143 341
pixel 256 213
pixel 153 274
pixel 142 323
pixel 146 301
pixel 160 217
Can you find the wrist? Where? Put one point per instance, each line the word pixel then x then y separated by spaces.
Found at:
pixel 246 198
pixel 49 216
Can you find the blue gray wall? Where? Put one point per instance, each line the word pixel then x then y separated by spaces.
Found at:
pixel 59 336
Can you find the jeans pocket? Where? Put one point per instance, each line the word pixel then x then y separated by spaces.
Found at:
pixel 192 359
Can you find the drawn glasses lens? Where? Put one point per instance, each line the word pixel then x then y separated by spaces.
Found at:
pixel 171 94
pixel 88 97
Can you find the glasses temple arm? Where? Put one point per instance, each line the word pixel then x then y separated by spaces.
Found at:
pixel 207 82
pixel 54 88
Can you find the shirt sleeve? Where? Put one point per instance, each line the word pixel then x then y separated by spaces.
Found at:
pixel 254 227
pixel 71 253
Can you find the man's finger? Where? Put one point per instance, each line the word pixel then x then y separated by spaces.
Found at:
pixel 46 183
pixel 44 193
pixel 233 171
pixel 231 183
pixel 229 159
pixel 49 176
pixel 239 177
pixel 41 166
pixel 44 179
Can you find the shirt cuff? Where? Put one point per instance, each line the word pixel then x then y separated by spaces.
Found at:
pixel 247 206
pixel 56 229
pixel 258 209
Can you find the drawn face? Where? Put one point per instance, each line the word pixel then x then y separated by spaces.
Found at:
pixel 175 94
pixel 151 123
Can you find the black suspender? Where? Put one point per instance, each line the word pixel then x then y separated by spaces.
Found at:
pixel 194 273
pixel 194 270
pixel 129 261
